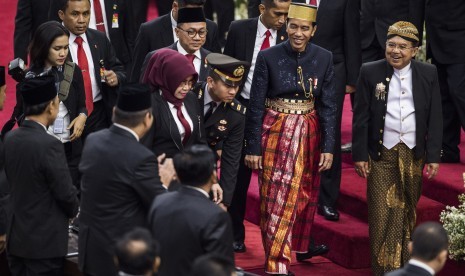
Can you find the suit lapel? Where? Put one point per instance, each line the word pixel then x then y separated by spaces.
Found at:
pixel 167 117
pixel 250 38
pixel 167 37
pixel 93 45
pixel 203 67
pixel 109 13
pixel 190 107
pixel 220 110
pixel 281 35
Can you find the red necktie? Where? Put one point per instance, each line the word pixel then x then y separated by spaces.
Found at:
pixel 84 65
pixel 266 42
pixel 191 58
pixel 313 3
pixel 99 16
pixel 184 123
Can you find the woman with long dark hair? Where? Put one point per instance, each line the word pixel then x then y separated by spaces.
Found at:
pixel 48 53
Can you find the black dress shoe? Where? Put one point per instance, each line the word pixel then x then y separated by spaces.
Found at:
pixel 239 247
pixel 314 251
pixel 328 212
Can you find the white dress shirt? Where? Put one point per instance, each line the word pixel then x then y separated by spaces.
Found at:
pixel 174 24
pixel 174 112
pixel 93 21
pixel 73 47
pixel 400 123
pixel 259 38
pixel 197 59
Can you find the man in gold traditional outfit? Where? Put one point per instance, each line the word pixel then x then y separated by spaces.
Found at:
pixel 397 128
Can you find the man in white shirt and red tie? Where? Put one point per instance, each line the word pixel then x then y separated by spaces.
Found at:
pixel 101 70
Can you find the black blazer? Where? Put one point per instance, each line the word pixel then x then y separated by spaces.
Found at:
pixel 29 15
pixel 42 198
pixel 102 49
pixel 122 37
pixel 338 30
pixel 376 17
pixel 204 68
pixel 116 194
pixel 445 25
pixel 370 112
pixel 225 131
pixel 157 34
pixel 164 136
pixel 241 41
pixel 187 219
pixel 409 270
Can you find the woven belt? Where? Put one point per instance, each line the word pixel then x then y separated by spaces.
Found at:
pixel 289 106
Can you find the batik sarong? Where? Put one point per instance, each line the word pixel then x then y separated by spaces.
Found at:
pixel 289 185
pixel 394 188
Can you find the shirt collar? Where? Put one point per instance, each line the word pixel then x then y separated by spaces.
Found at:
pixel 422 265
pixel 128 130
pixel 404 71
pixel 207 98
pixel 72 37
pixel 184 52
pixel 198 189
pixel 174 24
pixel 262 29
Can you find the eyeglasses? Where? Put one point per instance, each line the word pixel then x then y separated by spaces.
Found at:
pixel 192 33
pixel 393 46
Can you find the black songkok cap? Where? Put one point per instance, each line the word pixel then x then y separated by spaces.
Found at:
pixel 38 90
pixel 228 69
pixel 189 15
pixel 133 97
pixel 2 76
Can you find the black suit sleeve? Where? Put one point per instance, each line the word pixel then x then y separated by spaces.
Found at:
pixel 217 237
pixel 23 28
pixel 147 182
pixel 434 132
pixel 113 63
pixel 78 83
pixel 352 46
pixel 361 118
pixel 230 158
pixel 213 41
pixel 59 179
pixel 141 48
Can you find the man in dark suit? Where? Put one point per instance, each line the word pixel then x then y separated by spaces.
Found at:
pixel 224 16
pixel 192 32
pixel 160 33
pixel 428 249
pixel 338 30
pixel 224 116
pixel 375 18
pixel 186 222
pixel 445 25
pixel 43 197
pixel 117 23
pixel 396 131
pixel 245 39
pixel 101 69
pixel 30 14
pixel 116 193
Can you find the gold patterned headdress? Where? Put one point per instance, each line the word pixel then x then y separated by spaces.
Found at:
pixel 302 11
pixel 405 30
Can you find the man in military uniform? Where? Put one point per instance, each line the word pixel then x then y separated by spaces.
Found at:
pixel 224 116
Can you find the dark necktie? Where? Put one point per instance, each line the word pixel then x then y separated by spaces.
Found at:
pixel 84 65
pixel 184 123
pixel 209 110
pixel 191 58
pixel 266 42
pixel 99 22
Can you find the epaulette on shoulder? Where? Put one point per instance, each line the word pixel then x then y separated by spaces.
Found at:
pixel 237 106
